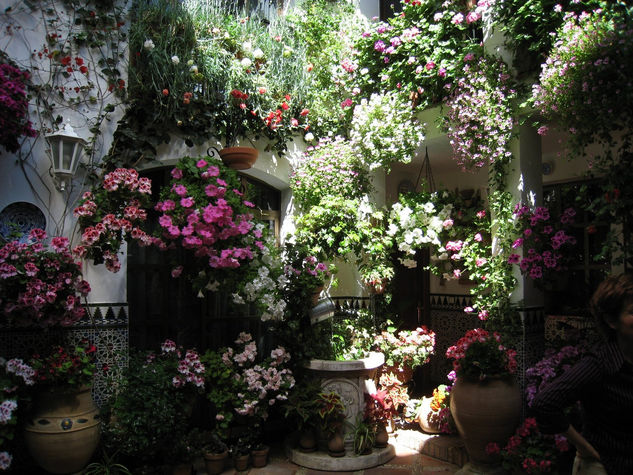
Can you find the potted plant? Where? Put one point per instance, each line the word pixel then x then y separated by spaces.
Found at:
pixel 405 350
pixel 15 377
pixel 171 379
pixel 41 283
pixel 484 389
pixel 331 416
pixel 364 436
pixel 379 411
pixel 240 452
pixel 300 409
pixel 215 452
pixel 64 414
pixel 433 413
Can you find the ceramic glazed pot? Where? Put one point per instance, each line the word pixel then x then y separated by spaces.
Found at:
pixel 63 432
pixel 214 463
pixel 239 158
pixel 485 411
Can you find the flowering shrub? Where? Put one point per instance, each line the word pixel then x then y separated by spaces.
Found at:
pixel 385 130
pixel 582 86
pixel 40 285
pixel 440 407
pixel 243 386
pixel 312 273
pixel 111 213
pixel 480 355
pixel 14 376
pixel 68 367
pixel 14 105
pixel 479 118
pixel 411 348
pixel 414 52
pixel 541 242
pixel 552 365
pixel 331 167
pixel 530 451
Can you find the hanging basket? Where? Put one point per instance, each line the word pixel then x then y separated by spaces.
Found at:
pixel 239 158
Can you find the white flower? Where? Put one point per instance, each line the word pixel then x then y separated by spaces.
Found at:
pixel 258 54
pixel 247 46
pixel 246 62
pixel 213 286
pixel 309 137
pixel 175 59
pixel 190 62
pixel 410 263
pixel 194 69
pixel 149 45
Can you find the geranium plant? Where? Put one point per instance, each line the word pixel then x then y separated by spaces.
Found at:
pixel 385 130
pixel 15 376
pixel 204 212
pixel 530 451
pixel 541 241
pixel 69 367
pixel 245 385
pixel 41 284
pixel 112 213
pixel 14 105
pixel 480 354
pixel 410 348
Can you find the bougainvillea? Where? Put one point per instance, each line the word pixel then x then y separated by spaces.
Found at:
pixel 41 285
pixel 111 213
pixel 14 106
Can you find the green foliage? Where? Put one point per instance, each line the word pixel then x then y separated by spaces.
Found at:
pixel 364 436
pixel 147 413
pixel 330 410
pixel 67 367
pixel 332 167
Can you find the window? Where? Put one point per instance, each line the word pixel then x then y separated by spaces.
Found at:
pixel 570 293
pixel 389 8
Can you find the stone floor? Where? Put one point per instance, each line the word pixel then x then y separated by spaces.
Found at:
pixel 416 453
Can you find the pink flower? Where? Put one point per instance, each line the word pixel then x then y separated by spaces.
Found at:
pixel 201 163
pixel 430 65
pixel 441 72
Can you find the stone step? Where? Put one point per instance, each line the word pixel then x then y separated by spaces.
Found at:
pixel 448 448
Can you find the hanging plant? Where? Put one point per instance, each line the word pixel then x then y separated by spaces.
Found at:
pixel 584 88
pixel 479 117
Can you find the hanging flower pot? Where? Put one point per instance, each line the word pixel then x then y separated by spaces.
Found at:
pixel 63 431
pixel 239 158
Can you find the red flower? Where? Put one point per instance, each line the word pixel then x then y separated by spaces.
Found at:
pixel 304 112
pixel 165 92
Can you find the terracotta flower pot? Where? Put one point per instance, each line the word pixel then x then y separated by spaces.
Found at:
pixel 214 463
pixel 259 457
pixel 336 445
pixel 485 411
pixel 382 436
pixel 240 462
pixel 239 158
pixel 428 419
pixel 307 441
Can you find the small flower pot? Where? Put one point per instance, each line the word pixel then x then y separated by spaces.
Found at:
pixel 259 457
pixel 214 463
pixel 240 462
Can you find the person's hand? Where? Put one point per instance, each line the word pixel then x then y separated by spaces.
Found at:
pixel 583 447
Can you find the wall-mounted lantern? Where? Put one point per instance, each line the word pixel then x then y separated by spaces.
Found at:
pixel 66 149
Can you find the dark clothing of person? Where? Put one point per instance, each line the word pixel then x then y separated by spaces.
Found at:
pixel 603 383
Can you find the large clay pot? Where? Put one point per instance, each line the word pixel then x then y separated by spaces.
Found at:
pixel 239 158
pixel 485 411
pixel 62 433
pixel 214 463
